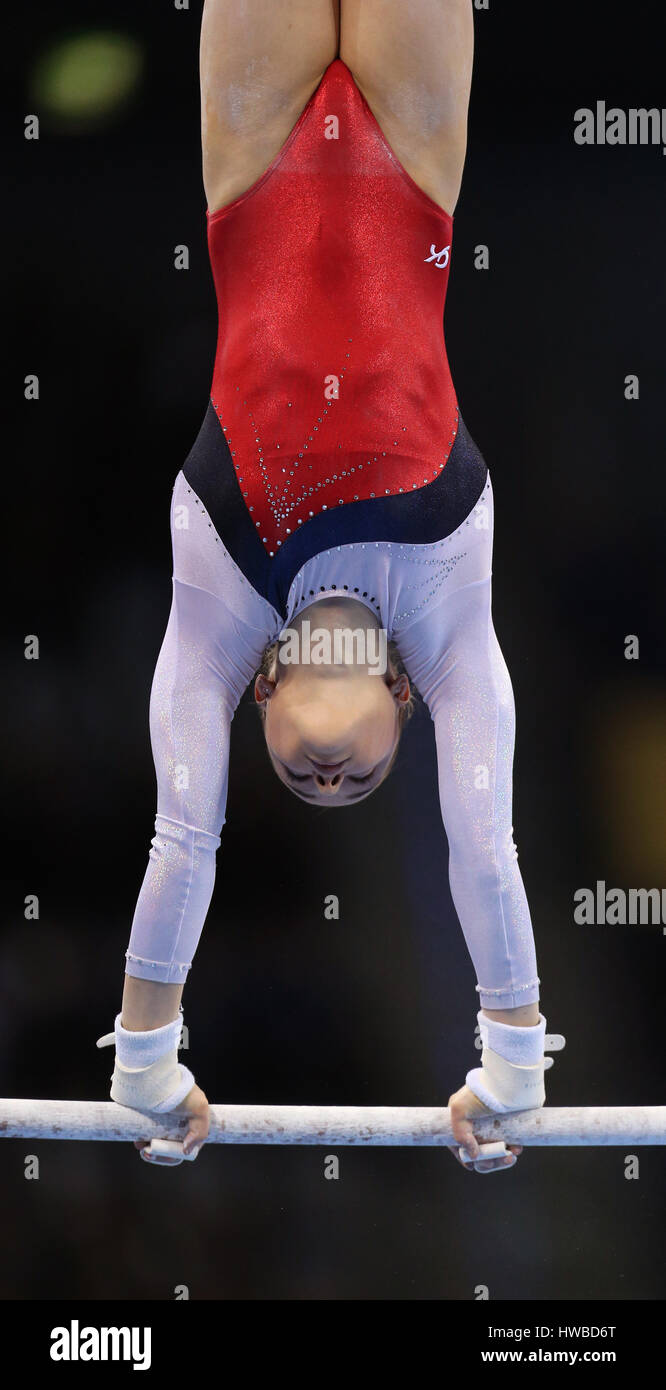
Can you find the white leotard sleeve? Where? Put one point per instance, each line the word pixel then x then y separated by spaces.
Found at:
pixel 217 630
pixel 454 658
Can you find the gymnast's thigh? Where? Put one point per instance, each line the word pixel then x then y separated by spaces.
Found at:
pixel 260 63
pixel 413 63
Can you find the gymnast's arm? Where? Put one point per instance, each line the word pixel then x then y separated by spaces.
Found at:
pixel 455 660
pixel 217 630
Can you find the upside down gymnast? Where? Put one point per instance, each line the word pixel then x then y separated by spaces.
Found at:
pixel 332 480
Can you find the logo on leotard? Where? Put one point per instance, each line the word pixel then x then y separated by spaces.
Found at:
pixel 436 256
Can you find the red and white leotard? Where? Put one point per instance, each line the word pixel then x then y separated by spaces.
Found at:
pixel 332 460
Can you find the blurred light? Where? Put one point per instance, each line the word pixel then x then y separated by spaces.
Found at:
pixel 87 78
pixel 626 779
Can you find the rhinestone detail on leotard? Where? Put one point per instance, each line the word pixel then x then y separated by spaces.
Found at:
pixel 430 567
pixel 283 501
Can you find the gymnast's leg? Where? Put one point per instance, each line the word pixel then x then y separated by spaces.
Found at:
pixel 260 63
pixel 412 60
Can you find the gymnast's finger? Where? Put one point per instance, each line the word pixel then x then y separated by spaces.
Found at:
pixel 495 1165
pixel 455 1150
pixel 491 1163
pixel 462 1106
pixel 150 1153
pixel 196 1107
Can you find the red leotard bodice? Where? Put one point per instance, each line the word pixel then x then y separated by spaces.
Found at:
pixel 331 379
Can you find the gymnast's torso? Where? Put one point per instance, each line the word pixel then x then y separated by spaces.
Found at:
pixel 333 421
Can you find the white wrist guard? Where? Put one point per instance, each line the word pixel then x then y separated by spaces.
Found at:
pixel 512 1066
pixel 147 1074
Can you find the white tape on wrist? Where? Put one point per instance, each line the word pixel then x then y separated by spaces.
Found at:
pixel 147 1073
pixel 159 1087
pixel 511 1075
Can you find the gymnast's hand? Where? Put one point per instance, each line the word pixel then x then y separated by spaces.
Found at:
pixel 148 1076
pixel 510 1078
pixel 465 1108
pixel 196 1107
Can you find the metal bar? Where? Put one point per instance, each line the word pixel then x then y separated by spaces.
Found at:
pixel 334 1126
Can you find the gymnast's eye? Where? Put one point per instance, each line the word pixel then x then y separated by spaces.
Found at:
pixel 361 781
pixel 358 781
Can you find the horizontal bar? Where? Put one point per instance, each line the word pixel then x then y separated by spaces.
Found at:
pixel 336 1125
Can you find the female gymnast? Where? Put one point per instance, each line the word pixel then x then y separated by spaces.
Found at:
pixel 333 485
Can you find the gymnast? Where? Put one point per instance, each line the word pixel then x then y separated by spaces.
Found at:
pixel 333 483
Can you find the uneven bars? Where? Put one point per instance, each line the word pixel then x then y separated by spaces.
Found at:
pixel 336 1125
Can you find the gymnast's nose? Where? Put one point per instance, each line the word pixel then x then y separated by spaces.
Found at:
pixel 329 776
pixel 330 783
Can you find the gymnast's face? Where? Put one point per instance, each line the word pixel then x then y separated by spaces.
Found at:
pixel 332 728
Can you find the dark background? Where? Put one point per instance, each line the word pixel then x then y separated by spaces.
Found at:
pixel 282 1005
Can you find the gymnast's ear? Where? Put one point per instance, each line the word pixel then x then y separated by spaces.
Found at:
pixel 400 689
pixel 263 689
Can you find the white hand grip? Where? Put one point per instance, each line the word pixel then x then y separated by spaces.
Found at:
pixel 496 1149
pixel 168 1148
